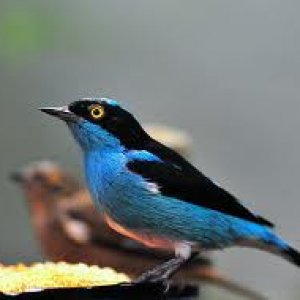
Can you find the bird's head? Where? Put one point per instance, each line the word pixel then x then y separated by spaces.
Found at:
pixel 100 123
pixel 45 181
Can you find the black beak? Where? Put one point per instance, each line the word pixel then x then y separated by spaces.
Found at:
pixel 62 113
pixel 17 177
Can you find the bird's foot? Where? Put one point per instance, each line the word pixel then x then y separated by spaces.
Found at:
pixel 162 273
pixel 159 275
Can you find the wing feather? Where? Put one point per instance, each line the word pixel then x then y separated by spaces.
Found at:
pixel 177 178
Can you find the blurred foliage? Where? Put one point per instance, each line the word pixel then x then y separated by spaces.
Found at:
pixel 32 29
pixel 24 30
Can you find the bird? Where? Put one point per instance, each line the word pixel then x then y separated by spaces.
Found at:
pixel 153 195
pixel 69 228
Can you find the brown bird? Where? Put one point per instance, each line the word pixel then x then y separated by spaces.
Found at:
pixel 70 229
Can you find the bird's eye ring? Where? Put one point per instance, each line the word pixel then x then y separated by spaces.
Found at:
pixel 97 112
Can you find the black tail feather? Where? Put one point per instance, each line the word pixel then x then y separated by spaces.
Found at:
pixel 292 255
pixel 261 220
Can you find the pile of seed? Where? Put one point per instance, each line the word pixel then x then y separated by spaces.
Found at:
pixel 39 276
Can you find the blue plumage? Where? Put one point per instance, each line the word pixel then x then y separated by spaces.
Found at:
pixel 152 194
pixel 126 198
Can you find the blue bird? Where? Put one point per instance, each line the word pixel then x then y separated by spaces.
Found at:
pixel 151 194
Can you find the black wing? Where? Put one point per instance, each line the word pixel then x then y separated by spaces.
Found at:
pixel 179 179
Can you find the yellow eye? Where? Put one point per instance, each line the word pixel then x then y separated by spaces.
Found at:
pixel 97 112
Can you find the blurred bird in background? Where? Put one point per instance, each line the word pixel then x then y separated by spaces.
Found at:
pixel 69 227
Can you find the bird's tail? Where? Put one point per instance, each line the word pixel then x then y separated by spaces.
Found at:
pixel 292 255
pixel 278 246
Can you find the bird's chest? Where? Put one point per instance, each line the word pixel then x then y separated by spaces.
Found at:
pixel 108 178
